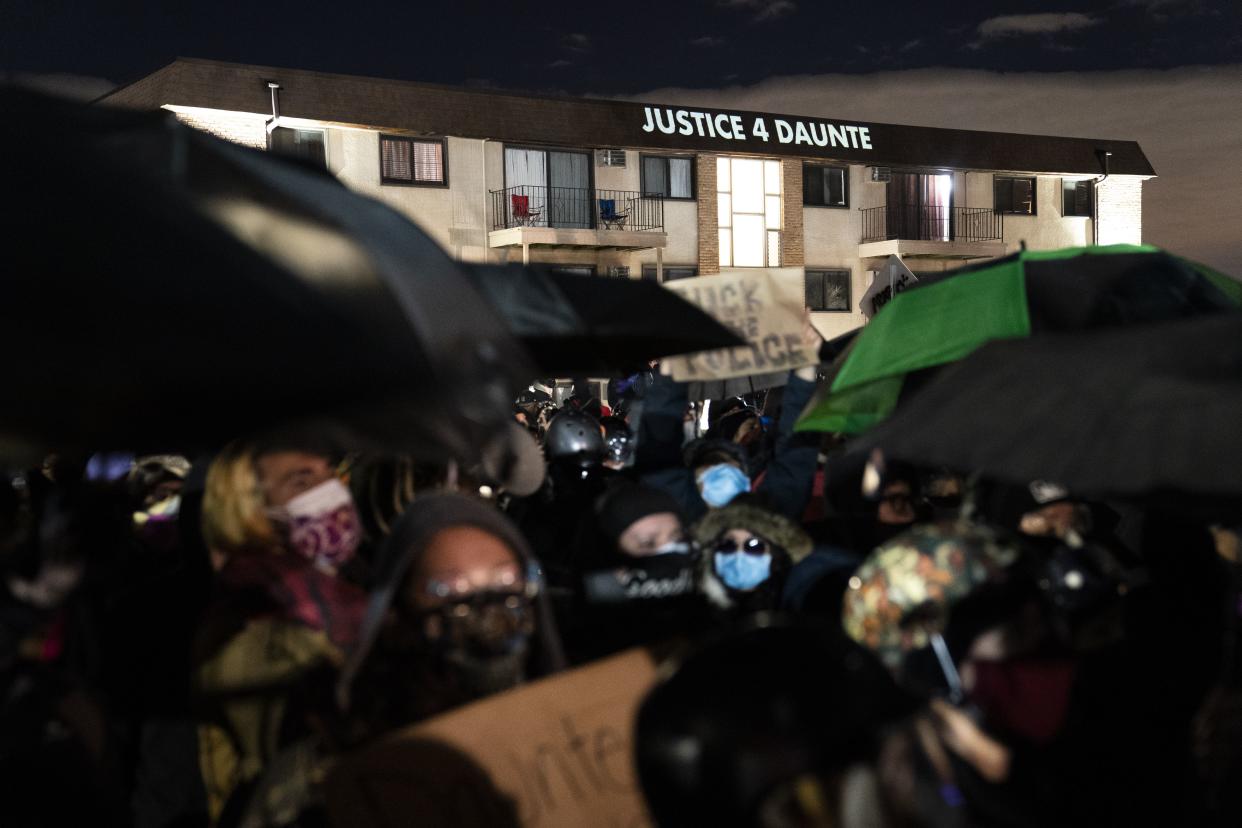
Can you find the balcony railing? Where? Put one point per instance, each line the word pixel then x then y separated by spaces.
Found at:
pixel 575 208
pixel 914 222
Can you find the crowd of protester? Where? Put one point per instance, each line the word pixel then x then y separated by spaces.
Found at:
pixel 191 642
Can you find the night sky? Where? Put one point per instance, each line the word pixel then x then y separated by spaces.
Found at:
pixel 617 48
pixel 1166 73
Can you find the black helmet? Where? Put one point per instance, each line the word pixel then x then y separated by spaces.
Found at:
pixel 752 710
pixel 618 440
pixel 574 437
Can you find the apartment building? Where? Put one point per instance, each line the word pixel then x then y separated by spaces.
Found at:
pixel 663 192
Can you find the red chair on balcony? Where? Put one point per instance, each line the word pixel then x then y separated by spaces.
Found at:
pixel 523 214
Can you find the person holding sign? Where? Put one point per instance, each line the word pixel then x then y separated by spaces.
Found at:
pixel 708 476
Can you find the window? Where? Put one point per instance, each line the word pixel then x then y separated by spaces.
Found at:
pixel 748 202
pixel 825 186
pixel 668 177
pixel 828 290
pixel 412 161
pixel 304 144
pixel 1013 195
pixel 1077 197
pixel 548 188
pixel 573 270
pixel 670 272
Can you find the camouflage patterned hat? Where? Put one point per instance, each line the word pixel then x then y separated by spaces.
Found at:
pixel 902 593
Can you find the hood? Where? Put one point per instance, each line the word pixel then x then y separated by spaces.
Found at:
pixel 411 534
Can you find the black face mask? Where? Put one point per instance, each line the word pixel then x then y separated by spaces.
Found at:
pixel 480 645
pixel 650 578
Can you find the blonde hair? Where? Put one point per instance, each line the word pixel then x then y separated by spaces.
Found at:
pixel 234 508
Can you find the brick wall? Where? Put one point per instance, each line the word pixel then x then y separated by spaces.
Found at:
pixel 239 127
pixel 1120 204
pixel 793 245
pixel 709 235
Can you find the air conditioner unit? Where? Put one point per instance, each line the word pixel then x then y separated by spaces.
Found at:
pixel 882 175
pixel 610 158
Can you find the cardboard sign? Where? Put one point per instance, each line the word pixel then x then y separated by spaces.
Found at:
pixel 764 306
pixel 891 279
pixel 554 753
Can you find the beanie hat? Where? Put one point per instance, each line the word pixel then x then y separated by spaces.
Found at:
pixel 706 452
pixel 620 508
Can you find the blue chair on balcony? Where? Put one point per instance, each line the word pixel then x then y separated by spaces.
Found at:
pixel 608 215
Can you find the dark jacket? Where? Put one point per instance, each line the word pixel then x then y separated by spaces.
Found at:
pixel 790 473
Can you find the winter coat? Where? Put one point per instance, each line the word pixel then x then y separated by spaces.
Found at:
pixel 790 473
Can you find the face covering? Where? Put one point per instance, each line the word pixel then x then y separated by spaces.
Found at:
pixel 484 650
pixel 323 524
pixel 673 548
pixel 1026 696
pixel 720 483
pixel 743 571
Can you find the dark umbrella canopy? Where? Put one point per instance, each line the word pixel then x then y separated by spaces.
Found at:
pixel 169 289
pixel 574 325
pixel 1138 411
pixel 1029 293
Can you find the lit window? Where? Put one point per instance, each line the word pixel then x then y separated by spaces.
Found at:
pixel 749 217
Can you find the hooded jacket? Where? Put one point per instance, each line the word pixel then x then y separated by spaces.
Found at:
pixel 786 540
pixel 400 555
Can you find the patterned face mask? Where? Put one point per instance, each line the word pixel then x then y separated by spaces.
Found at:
pixel 323 524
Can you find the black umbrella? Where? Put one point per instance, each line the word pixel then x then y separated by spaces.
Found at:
pixel 1148 410
pixel 169 289
pixel 574 325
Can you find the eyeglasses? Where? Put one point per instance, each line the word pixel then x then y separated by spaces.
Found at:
pixel 506 581
pixel 752 546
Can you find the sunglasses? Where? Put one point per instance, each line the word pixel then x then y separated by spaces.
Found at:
pixel 753 546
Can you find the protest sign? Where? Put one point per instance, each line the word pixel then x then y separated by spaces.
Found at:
pixel 554 753
pixel 764 306
pixel 892 278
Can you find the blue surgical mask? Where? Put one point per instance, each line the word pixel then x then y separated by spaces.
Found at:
pixel 722 482
pixel 743 571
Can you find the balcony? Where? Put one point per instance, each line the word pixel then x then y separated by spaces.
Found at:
pixel 920 231
pixel 536 216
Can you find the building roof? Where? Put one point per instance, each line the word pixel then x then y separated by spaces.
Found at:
pixel 583 122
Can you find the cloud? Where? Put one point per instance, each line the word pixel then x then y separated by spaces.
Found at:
pixel 560 64
pixel 708 42
pixel 910 44
pixel 763 9
pixel 577 42
pixel 1194 144
pixel 76 87
pixel 1010 25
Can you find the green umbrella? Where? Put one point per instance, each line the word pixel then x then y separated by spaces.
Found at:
pixel 945 318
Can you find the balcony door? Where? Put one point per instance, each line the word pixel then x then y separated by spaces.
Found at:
pixel 555 184
pixel 920 207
